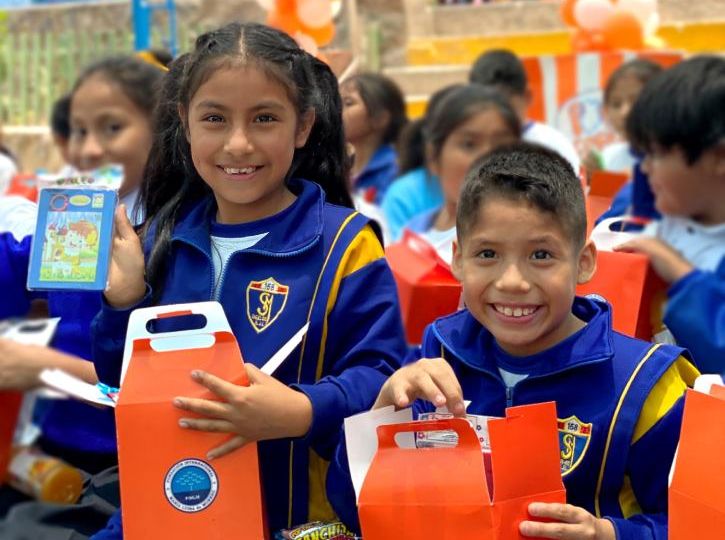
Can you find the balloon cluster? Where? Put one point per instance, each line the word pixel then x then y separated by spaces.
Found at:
pixel 309 22
pixel 602 25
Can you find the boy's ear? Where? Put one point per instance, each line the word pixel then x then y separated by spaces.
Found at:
pixel 304 127
pixel 380 121
pixel 719 157
pixel 587 263
pixel 457 262
pixel 183 117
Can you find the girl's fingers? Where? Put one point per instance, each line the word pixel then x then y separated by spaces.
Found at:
pixel 566 513
pixel 220 387
pixel 204 407
pixel 207 424
pixel 227 447
pixel 124 229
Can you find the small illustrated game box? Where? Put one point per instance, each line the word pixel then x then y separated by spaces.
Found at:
pixel 72 242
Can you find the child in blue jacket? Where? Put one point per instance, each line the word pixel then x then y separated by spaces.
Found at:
pixel 525 337
pixel 678 122
pixel 110 122
pixel 247 203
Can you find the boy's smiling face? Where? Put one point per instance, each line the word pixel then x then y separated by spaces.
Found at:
pixel 519 269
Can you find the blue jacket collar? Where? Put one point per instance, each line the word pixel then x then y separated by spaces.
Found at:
pixel 294 229
pixel 383 160
pixel 464 336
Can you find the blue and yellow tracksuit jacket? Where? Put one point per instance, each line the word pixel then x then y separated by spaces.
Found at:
pixel 66 424
pixel 618 403
pixel 695 314
pixel 321 263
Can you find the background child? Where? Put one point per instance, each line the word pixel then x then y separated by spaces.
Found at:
pixel 373 115
pixel 417 190
pixel 503 70
pixel 228 208
pixel 111 107
pixel 525 337
pixel 679 123
pixel 624 85
pixel 468 123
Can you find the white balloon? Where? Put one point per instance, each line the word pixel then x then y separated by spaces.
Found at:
pixel 266 5
pixel 591 14
pixel 314 13
pixel 642 9
pixel 652 24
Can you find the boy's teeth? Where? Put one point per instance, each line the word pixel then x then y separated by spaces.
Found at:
pixel 514 312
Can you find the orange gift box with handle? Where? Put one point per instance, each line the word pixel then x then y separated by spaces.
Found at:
pixel 635 292
pixel 168 487
pixel 697 491
pixel 426 286
pixel 10 406
pixel 413 493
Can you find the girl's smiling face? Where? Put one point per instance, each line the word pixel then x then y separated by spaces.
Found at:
pixel 243 130
pixel 107 127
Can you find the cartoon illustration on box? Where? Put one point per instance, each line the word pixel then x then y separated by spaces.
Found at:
pixel 70 244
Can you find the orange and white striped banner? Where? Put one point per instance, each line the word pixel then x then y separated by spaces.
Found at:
pixel 566 90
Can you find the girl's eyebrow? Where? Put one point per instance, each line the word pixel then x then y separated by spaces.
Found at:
pixel 210 104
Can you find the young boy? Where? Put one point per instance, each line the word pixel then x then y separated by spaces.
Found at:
pixel 525 337
pixel 503 70
pixel 678 122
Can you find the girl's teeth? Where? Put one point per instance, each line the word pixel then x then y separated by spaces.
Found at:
pixel 232 170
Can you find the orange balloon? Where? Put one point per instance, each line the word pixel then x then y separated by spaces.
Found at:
pixel 622 30
pixel 566 11
pixel 284 17
pixel 586 41
pixel 322 36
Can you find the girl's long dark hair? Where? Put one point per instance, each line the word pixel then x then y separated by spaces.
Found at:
pixel 171 181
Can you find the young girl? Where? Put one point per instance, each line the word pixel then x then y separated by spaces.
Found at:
pixel 416 190
pixel 112 102
pixel 468 123
pixel 246 190
pixel 624 85
pixel 373 114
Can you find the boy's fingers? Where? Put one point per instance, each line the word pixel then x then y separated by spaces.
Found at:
pixel 448 384
pixel 427 389
pixel 227 447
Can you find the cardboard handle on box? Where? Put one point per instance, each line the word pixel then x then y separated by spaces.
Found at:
pixel 610 232
pixel 216 321
pixel 466 436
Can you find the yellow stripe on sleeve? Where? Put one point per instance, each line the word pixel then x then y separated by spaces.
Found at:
pixel 671 386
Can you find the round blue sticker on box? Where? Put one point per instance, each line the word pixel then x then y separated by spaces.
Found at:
pixel 191 485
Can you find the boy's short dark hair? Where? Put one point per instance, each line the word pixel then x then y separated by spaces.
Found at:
pixel 500 68
pixel 525 172
pixel 682 106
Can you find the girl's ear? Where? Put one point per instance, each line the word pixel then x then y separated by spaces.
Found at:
pixel 380 121
pixel 587 263
pixel 304 127
pixel 183 119
pixel 431 161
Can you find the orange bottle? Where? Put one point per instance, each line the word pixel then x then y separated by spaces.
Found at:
pixel 44 477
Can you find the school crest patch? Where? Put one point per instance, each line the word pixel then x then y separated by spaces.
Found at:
pixel 574 438
pixel 265 301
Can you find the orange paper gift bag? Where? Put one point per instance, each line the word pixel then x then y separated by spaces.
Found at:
pixel 636 293
pixel 697 489
pixel 168 488
pixel 426 286
pixel 413 493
